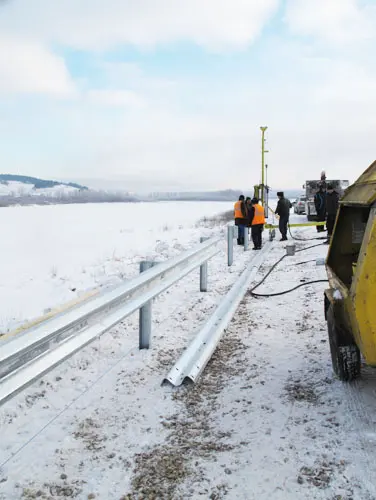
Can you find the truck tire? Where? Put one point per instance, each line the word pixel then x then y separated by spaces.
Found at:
pixel 345 354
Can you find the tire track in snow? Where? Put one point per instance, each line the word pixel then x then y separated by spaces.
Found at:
pixel 363 423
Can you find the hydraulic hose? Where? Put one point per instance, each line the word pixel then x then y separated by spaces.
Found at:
pixel 286 291
pixel 305 239
pixel 252 291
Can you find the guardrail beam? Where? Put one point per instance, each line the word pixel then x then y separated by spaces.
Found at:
pixel 35 352
pixel 194 359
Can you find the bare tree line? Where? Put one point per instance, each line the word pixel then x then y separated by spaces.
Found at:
pixel 61 198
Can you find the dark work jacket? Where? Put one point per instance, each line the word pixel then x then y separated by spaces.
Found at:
pixel 251 214
pixel 320 202
pixel 283 207
pixel 332 200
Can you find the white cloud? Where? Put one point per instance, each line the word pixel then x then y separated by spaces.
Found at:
pixel 337 21
pixel 200 131
pixel 27 66
pixel 131 74
pixel 116 98
pixel 207 135
pixel 348 83
pixel 99 25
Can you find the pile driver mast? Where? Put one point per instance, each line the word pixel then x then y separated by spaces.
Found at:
pixel 261 191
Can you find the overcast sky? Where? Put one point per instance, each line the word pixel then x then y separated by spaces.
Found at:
pixel 173 92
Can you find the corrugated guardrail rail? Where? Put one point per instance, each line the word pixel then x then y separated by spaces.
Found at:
pixel 32 353
pixel 194 359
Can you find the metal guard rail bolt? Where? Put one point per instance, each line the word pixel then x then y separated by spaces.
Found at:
pixel 36 351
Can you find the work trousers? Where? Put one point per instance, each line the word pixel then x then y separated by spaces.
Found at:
pixel 241 228
pixel 330 221
pixel 320 218
pixel 283 221
pixel 256 232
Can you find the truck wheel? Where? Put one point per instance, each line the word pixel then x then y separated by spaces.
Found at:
pixel 345 354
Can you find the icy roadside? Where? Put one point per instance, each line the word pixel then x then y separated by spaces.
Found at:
pixel 267 419
pixel 176 315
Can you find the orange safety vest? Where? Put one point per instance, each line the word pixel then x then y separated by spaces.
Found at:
pixel 259 217
pixel 238 214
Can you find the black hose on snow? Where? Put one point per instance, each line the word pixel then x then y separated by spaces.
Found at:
pixel 305 239
pixel 253 294
pixel 287 291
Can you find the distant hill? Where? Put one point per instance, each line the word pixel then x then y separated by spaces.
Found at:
pixel 38 183
pixel 25 190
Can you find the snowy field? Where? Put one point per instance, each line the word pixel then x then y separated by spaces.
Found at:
pixel 52 255
pixel 267 420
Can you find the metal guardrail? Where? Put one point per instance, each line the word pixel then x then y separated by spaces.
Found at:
pixel 34 352
pixel 194 359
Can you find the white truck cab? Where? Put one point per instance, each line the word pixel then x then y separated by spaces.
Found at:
pixel 312 186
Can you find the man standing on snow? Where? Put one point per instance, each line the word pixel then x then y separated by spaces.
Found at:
pixel 320 205
pixel 240 216
pixel 283 210
pixel 256 221
pixel 248 206
pixel 332 200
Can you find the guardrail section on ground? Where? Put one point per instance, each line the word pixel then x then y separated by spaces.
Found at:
pixel 193 361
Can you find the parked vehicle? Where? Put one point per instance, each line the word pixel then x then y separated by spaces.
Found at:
pixel 312 187
pixel 300 205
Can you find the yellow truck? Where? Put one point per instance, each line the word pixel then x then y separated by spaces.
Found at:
pixel 350 301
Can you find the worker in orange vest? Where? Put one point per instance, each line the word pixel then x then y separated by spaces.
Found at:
pixel 241 219
pixel 256 222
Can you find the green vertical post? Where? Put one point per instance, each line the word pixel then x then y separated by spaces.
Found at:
pixel 263 151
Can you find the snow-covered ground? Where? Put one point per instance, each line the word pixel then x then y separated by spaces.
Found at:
pixel 267 420
pixel 53 254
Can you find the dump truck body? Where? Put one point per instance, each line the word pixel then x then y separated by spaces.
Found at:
pixel 350 302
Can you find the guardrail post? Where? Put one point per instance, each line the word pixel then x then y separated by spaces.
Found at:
pixel 144 327
pixel 203 272
pixel 246 238
pixel 230 245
